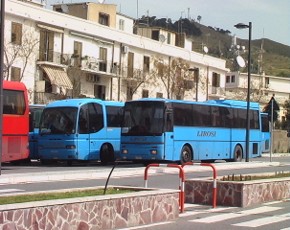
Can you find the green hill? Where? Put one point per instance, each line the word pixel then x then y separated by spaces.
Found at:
pixel 267 56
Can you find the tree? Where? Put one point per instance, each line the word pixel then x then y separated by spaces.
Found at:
pixel 286 106
pixel 272 106
pixel 199 18
pixel 14 53
pixel 174 76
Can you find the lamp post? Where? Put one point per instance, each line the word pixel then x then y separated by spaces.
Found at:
pixel 244 26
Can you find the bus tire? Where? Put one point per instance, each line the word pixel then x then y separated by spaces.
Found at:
pixel 238 154
pixel 186 154
pixel 107 154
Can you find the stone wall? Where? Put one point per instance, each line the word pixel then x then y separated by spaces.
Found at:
pixel 99 212
pixel 281 141
pixel 239 194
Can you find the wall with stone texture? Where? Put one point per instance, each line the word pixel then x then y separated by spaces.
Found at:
pixel 100 212
pixel 237 194
pixel 281 141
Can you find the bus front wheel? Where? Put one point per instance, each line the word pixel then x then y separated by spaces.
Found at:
pixel 238 154
pixel 185 155
pixel 107 154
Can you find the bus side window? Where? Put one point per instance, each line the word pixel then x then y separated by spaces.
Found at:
pixel 83 120
pixel 96 119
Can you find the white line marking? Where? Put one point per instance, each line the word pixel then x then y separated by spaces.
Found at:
pixel 148 225
pixel 264 221
pixel 226 216
pixel 11 190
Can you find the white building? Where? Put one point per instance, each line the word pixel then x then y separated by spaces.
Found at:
pixel 94 53
pixel 262 88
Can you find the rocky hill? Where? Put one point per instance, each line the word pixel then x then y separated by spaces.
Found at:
pixel 267 56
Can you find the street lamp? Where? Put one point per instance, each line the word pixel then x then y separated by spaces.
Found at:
pixel 244 26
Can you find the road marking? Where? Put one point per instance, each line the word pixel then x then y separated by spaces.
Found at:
pixel 264 221
pixel 226 216
pixel 148 225
pixel 11 190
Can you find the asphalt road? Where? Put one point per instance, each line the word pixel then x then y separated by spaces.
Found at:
pixel 36 177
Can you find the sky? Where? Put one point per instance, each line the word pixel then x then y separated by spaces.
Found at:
pixel 270 18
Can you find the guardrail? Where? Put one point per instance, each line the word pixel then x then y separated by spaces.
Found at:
pixel 181 180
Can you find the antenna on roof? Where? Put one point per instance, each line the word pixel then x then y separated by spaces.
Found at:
pixel 64 8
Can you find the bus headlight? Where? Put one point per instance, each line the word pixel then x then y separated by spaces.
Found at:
pixel 125 151
pixel 153 152
pixel 70 147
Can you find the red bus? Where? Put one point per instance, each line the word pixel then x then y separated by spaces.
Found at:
pixel 15 122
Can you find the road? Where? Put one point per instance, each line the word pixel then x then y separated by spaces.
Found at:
pixel 275 215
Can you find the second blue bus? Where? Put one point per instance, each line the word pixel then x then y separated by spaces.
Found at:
pixel 35 111
pixel 174 130
pixel 80 130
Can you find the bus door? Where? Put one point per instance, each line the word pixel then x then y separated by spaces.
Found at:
pixel 83 137
pixel 96 129
pixel 168 136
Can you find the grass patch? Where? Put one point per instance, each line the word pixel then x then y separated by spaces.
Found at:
pixel 241 177
pixel 59 195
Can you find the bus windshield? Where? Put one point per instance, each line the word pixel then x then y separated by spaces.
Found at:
pixel 146 118
pixel 58 121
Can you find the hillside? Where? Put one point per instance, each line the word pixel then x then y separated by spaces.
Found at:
pixel 267 56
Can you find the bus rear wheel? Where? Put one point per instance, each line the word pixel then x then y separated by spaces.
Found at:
pixel 107 154
pixel 185 155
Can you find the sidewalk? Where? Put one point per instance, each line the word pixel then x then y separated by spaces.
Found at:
pixel 102 173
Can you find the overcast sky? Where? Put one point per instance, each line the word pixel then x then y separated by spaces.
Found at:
pixel 270 18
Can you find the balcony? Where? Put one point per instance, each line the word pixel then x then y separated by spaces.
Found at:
pixel 95 66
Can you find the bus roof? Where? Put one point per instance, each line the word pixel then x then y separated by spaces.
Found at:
pixel 14 85
pixel 76 102
pixel 226 103
pixel 235 103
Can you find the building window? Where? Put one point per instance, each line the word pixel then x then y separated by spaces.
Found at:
pixel 146 64
pixel 77 55
pixel 145 93
pixel 168 38
pixel 100 91
pixel 215 80
pixel 46 45
pixel 267 82
pixel 228 79
pixel 103 59
pixel 16 33
pixel 155 35
pixel 104 19
pixel 159 95
pixel 130 64
pixel 121 24
pixel 233 79
pixel 15 73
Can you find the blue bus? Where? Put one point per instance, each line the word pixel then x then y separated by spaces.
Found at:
pixel 183 131
pixel 266 134
pixel 35 111
pixel 80 130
